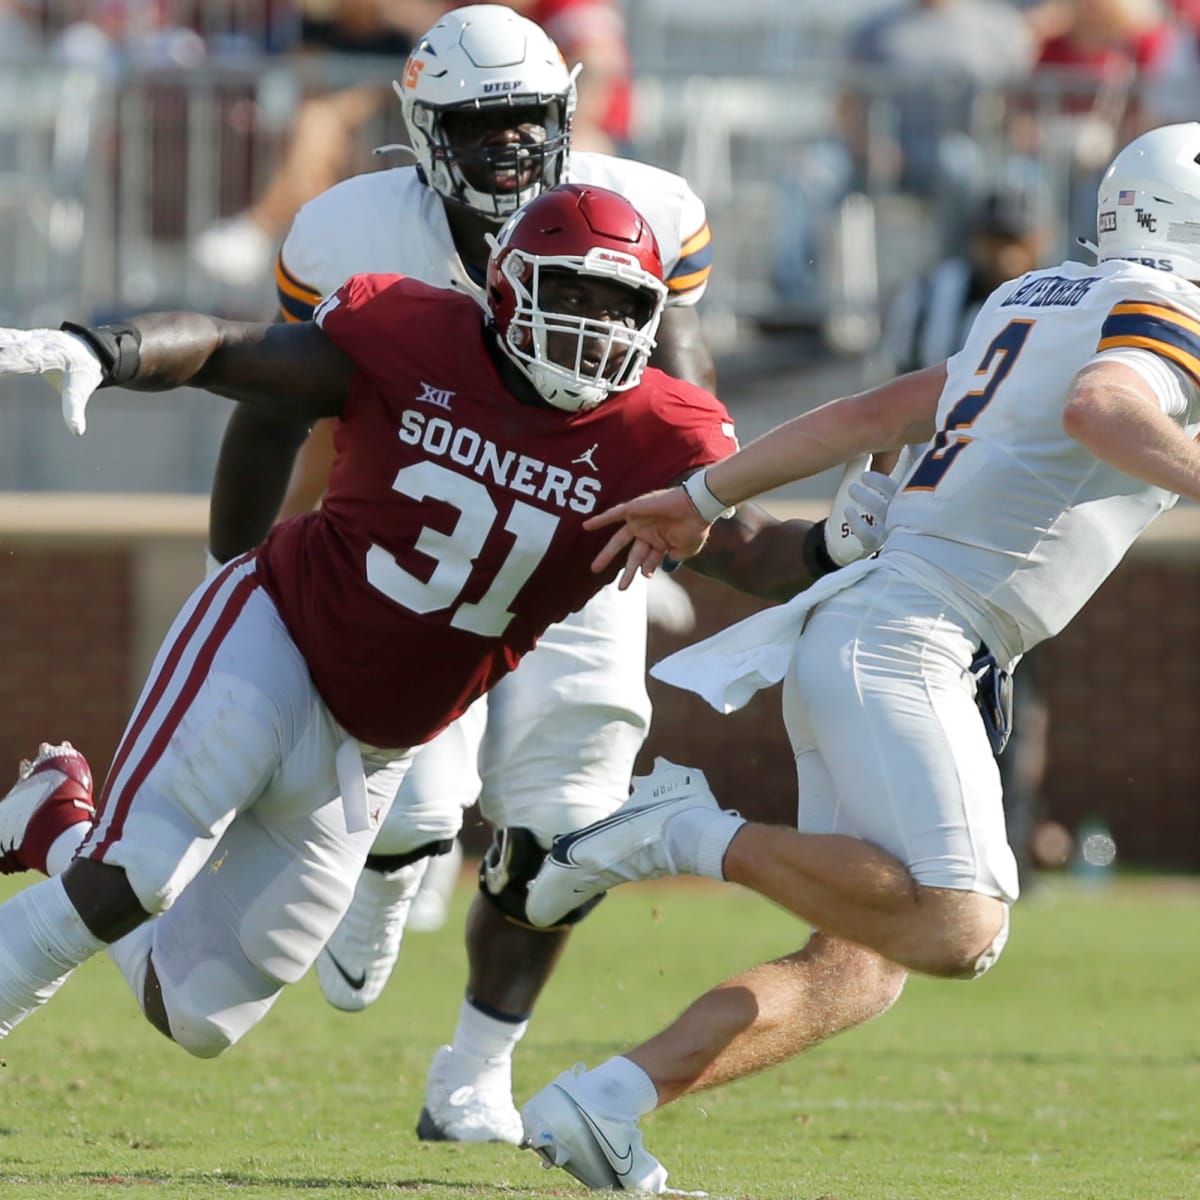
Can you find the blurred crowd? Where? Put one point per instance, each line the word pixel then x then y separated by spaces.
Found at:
pixel 940 103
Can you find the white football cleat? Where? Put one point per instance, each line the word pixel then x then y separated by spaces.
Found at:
pixel 356 963
pixel 52 791
pixel 626 846
pixel 469 1100
pixel 603 1153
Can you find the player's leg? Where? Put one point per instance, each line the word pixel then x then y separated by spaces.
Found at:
pixel 149 840
pixel 926 876
pixel 420 826
pixel 220 957
pixel 563 732
pixel 760 1017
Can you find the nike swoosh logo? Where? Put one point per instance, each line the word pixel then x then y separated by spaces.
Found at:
pixel 355 981
pixel 560 852
pixel 622 1163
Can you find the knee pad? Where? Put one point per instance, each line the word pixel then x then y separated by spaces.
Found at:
pixel 507 869
pixel 387 863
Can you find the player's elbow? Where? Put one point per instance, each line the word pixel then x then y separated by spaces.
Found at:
pixel 1086 415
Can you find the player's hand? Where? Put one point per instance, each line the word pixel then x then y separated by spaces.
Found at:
pixel 866 514
pixel 652 526
pixel 68 362
pixel 855 526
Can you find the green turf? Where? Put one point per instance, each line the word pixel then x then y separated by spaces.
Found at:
pixel 1071 1071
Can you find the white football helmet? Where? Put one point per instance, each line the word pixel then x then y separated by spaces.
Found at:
pixel 1148 204
pixel 588 232
pixel 472 71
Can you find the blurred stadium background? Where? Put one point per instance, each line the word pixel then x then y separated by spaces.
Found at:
pixel 128 129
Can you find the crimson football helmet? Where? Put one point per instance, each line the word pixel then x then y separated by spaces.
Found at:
pixel 590 233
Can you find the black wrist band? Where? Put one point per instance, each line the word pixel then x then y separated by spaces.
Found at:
pixel 815 554
pixel 117 346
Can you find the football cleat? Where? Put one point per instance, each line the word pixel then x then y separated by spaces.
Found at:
pixel 52 793
pixel 469 1099
pixel 356 963
pixel 604 1153
pixel 626 846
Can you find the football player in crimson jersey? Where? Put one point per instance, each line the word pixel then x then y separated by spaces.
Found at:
pixel 490 108
pixel 471 449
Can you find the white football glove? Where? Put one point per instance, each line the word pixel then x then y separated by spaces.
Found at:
pixel 866 514
pixel 68 362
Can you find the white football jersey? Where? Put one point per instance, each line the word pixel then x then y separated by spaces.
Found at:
pixel 390 222
pixel 1007 517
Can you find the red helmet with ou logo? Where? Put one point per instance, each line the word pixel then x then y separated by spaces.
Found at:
pixel 591 233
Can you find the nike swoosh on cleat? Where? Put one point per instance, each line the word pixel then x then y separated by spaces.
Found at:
pixel 560 852
pixel 621 1163
pixel 356 982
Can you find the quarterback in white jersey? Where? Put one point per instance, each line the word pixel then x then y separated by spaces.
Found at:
pixel 1064 426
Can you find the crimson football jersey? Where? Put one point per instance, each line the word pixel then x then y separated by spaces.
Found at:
pixel 451 533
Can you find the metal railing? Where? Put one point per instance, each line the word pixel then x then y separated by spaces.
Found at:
pixel 106 180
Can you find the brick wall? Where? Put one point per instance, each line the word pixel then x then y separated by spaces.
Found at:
pixel 65 644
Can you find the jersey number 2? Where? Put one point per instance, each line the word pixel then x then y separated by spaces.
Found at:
pixel 454 553
pixel 936 462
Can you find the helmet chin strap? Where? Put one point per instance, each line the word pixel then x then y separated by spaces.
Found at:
pixel 1082 241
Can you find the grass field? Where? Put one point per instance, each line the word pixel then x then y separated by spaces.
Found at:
pixel 1072 1070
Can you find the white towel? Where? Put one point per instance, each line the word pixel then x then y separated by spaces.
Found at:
pixel 729 667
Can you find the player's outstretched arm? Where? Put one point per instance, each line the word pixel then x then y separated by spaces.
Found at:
pixel 676 522
pixel 293 369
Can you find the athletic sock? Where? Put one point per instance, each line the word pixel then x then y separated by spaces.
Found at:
pixel 482 1035
pixel 619 1088
pixel 697 838
pixel 42 939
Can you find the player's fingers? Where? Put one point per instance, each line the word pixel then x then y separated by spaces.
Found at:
pixel 610 516
pixel 615 544
pixel 634 562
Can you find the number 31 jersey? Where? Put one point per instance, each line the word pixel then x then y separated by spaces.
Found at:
pixel 1008 517
pixel 451 534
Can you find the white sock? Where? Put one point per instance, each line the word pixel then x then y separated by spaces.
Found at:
pixel 697 839
pixel 42 939
pixel 131 954
pixel 482 1036
pixel 62 850
pixel 619 1088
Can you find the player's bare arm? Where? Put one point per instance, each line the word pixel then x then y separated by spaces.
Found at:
pixel 884 418
pixel 759 554
pixel 676 521
pixel 310 471
pixel 253 468
pixel 293 370
pixel 1113 412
